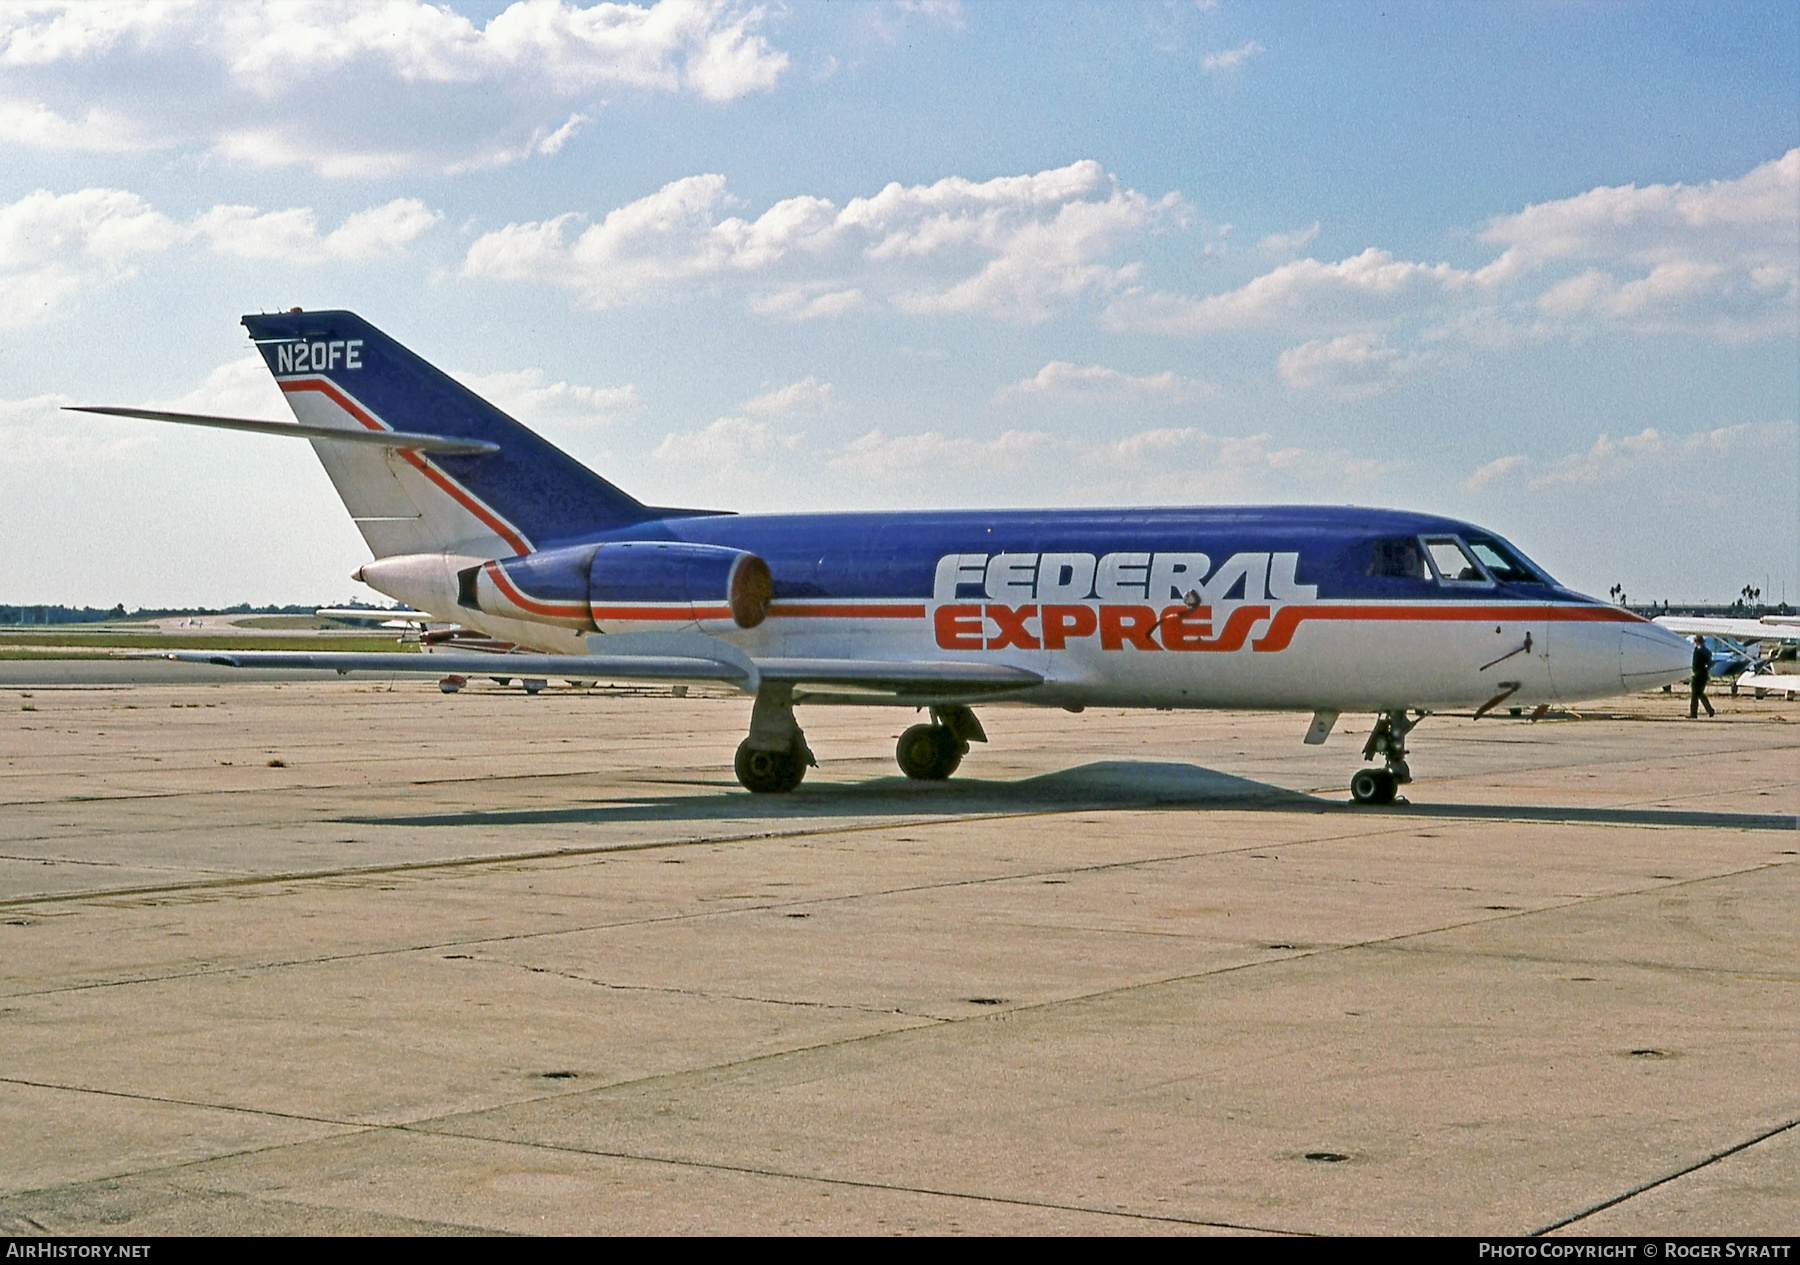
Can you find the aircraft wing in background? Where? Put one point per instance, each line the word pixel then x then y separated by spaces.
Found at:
pixel 1746 630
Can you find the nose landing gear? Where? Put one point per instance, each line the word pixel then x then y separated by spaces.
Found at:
pixel 1387 740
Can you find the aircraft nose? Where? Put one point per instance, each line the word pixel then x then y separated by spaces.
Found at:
pixel 1650 656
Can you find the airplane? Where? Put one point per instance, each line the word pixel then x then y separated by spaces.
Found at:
pixel 1778 628
pixel 475 519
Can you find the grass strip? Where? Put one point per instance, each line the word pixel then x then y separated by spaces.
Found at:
pixel 172 641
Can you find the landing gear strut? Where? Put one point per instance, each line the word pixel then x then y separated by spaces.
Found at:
pixel 1387 740
pixel 774 758
pixel 930 753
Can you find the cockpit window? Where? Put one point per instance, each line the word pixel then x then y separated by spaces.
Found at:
pixel 1502 563
pixel 1398 559
pixel 1453 563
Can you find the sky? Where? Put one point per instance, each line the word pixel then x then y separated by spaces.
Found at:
pixel 1532 264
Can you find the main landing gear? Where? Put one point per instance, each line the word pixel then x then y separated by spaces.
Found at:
pixel 1387 740
pixel 775 757
pixel 930 753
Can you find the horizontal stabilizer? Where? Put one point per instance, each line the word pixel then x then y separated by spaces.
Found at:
pixel 380 438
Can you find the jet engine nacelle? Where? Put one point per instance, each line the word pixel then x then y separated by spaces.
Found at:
pixel 599 587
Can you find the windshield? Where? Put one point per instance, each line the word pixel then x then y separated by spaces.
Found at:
pixel 1453 563
pixel 1503 563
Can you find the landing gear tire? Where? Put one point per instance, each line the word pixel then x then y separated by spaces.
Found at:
pixel 929 753
pixel 769 772
pixel 1374 786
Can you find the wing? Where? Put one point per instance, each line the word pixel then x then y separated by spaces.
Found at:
pixel 621 667
pixel 655 657
pixel 1736 629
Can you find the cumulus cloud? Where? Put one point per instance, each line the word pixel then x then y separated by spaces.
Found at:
pixel 39 436
pixel 1304 293
pixel 524 394
pixel 1720 259
pixel 278 147
pixel 1166 465
pixel 1061 380
pixel 292 236
pixel 279 73
pixel 1231 58
pixel 1287 243
pixel 34 125
pixel 806 398
pixel 238 388
pixel 703 46
pixel 1632 456
pixel 1658 463
pixel 809 301
pixel 752 464
pixel 1498 468
pixel 948 12
pixel 1351 365
pixel 1015 247
pixel 52 245
pixel 552 143
pixel 726 443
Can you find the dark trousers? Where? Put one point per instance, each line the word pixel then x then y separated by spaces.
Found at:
pixel 1697 698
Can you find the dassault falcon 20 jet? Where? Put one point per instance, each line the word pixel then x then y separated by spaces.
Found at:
pixel 475 519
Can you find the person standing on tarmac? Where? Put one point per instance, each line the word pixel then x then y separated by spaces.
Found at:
pixel 1697 683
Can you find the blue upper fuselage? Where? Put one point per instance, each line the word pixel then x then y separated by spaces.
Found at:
pixel 894 554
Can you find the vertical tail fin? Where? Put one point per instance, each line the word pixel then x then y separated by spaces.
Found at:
pixel 338 370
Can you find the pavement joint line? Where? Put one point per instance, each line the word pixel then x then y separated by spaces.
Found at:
pixel 1695 1167
pixel 704 995
pixel 757 1170
pixel 1376 943
pixel 528 776
pixel 262 1197
pixel 1011 1010
pixel 166 1101
pixel 501 858
pixel 553 854
pixel 418 1128
pixel 173 1166
pixel 692 915
pixel 52 859
pixel 127 797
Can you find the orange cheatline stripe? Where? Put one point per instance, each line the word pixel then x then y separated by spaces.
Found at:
pixel 847 610
pixel 679 613
pixel 500 527
pixel 1289 618
pixel 826 611
pixel 518 597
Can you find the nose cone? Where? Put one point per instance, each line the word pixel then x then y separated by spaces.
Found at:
pixel 1650 656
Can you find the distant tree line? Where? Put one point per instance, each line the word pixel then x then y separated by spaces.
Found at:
pixel 16 615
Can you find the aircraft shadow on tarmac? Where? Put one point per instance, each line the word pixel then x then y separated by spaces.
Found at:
pixel 1107 784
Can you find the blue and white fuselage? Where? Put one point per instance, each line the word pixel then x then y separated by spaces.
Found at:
pixel 1099 603
pixel 476 519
